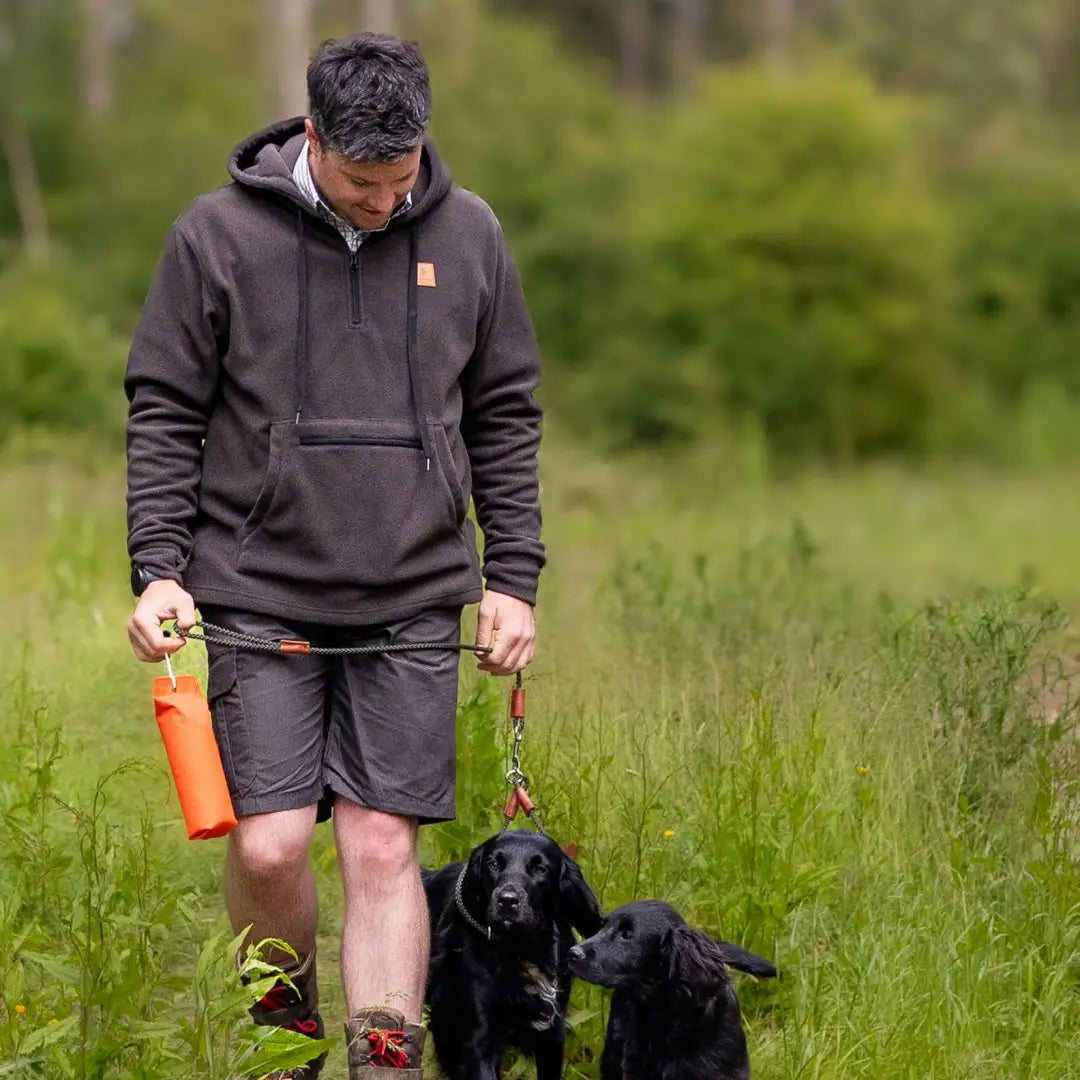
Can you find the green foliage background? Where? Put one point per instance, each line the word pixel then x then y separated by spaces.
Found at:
pixel 874 253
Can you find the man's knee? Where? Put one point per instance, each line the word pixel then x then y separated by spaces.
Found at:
pixel 269 847
pixel 374 845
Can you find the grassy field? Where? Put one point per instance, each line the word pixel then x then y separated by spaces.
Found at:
pixel 827 718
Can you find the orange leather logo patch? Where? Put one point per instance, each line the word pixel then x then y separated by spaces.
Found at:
pixel 425 275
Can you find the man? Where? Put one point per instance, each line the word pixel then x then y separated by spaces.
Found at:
pixel 334 354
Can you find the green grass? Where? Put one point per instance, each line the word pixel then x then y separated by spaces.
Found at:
pixel 827 718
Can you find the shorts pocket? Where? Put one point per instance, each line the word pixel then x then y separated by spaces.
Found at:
pixel 355 503
pixel 221 672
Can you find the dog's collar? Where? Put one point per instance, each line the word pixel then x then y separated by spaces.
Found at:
pixel 485 930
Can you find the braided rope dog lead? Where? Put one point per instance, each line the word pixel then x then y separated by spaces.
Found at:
pixel 519 783
pixel 222 635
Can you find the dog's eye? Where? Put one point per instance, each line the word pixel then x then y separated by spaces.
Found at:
pixel 538 869
pixel 626 931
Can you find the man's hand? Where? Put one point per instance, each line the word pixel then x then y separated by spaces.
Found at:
pixel 161 600
pixel 505 623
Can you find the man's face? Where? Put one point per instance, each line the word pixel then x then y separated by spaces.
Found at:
pixel 364 193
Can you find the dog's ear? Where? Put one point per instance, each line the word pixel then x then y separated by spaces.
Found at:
pixel 576 900
pixel 739 958
pixel 472 885
pixel 695 963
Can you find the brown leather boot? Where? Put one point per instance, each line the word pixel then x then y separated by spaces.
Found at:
pixel 296 1009
pixel 379 1039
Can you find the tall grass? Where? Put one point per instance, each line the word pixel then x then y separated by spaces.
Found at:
pixel 98 934
pixel 871 778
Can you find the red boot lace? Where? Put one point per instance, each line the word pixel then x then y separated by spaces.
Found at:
pixel 281 996
pixel 386 1048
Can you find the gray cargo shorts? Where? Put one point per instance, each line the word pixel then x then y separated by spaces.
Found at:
pixel 295 729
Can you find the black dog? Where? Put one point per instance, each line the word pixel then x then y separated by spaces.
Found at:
pixel 674 1013
pixel 500 936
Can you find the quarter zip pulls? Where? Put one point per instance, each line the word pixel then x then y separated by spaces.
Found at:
pixel 356 294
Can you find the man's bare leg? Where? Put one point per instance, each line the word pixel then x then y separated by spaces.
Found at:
pixel 268 879
pixel 384 947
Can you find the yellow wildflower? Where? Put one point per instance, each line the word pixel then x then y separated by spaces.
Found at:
pixel 862 769
pixel 20 1009
pixel 669 833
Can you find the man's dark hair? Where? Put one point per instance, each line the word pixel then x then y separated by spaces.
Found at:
pixel 369 96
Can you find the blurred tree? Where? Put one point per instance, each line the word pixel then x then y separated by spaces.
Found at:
pixel 779 21
pixel 188 88
pixel 634 38
pixel 1060 56
pixel 14 133
pixel 379 15
pixel 97 84
pixel 289 31
pixel 984 54
pixel 688 24
pixel 96 68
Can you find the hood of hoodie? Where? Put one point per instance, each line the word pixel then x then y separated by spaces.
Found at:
pixel 264 161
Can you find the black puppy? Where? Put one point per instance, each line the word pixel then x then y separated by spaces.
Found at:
pixel 674 1013
pixel 500 935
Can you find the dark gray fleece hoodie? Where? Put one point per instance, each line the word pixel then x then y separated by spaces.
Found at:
pixel 306 427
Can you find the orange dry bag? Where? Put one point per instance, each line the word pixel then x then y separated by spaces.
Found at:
pixel 184 722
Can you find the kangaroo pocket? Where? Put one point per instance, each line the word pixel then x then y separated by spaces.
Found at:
pixel 355 503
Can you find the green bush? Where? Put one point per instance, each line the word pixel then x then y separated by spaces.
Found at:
pixel 1018 275
pixel 60 366
pixel 791 266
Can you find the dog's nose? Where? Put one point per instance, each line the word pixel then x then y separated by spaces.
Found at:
pixel 577 954
pixel 508 900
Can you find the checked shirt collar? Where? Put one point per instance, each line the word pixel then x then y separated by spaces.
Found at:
pixel 352 236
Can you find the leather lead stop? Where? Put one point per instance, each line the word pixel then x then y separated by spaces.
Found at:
pixel 523 800
pixel 518 800
pixel 294 646
pixel 517 703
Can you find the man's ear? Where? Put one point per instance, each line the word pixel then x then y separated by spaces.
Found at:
pixel 695 963
pixel 576 900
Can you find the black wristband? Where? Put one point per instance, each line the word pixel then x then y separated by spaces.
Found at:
pixel 140 578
